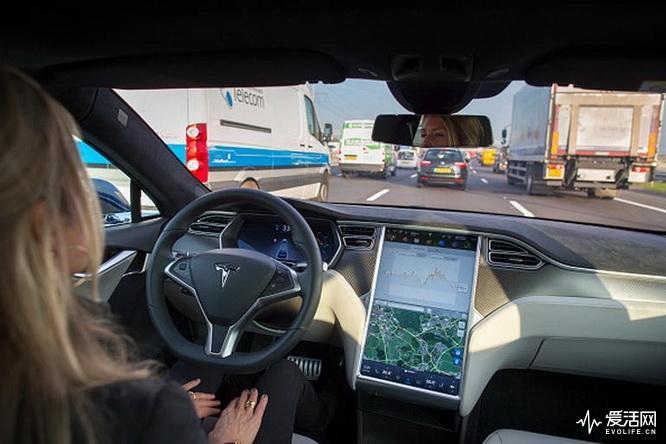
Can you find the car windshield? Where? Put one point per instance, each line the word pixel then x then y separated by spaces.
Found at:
pixel 314 141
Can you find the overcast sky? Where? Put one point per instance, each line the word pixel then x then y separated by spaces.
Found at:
pixel 365 99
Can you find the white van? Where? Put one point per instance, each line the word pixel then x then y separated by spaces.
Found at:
pixel 407 158
pixel 266 138
pixel 360 154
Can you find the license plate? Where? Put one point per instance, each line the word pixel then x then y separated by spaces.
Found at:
pixel 442 170
pixel 350 156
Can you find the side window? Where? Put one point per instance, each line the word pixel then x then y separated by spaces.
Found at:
pixel 313 123
pixel 113 188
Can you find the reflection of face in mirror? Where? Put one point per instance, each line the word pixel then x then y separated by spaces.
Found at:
pixel 443 131
pixel 436 131
pixel 433 130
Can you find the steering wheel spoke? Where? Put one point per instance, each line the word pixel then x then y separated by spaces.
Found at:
pixel 222 340
pixel 179 271
pixel 284 285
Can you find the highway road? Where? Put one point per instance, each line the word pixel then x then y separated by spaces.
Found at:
pixel 488 192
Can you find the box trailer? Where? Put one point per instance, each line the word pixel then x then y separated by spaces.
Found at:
pixel 577 139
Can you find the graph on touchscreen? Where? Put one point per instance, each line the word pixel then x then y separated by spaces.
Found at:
pixel 426 277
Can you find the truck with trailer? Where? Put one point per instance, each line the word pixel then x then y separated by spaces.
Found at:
pixel 568 138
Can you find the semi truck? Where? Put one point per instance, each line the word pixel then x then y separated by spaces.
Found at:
pixel 568 138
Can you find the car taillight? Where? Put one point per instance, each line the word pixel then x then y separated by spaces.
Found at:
pixel 555 171
pixel 196 150
pixel 640 169
pixel 461 164
pixel 424 163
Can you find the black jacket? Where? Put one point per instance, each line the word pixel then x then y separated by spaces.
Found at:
pixel 147 411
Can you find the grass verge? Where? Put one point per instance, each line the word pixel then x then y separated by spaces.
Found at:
pixel 659 187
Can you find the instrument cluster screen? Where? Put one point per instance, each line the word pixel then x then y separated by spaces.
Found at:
pixel 272 237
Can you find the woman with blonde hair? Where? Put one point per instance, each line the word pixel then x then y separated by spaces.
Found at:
pixel 68 374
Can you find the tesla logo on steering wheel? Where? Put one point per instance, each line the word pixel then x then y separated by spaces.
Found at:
pixel 226 268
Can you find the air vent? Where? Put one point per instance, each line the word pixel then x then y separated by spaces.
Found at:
pixel 507 254
pixel 358 237
pixel 211 224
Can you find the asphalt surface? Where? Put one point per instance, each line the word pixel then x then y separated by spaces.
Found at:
pixel 489 192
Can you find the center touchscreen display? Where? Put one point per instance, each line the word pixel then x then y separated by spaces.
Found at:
pixel 420 310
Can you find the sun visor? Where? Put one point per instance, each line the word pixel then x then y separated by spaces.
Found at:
pixel 631 70
pixel 201 70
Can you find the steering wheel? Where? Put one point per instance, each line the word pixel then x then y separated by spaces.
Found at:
pixel 231 285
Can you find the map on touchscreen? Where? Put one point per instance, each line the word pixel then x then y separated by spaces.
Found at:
pixel 420 310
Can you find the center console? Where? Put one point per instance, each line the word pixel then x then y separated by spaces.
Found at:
pixel 419 313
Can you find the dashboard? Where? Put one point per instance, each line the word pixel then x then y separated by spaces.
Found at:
pixel 266 234
pixel 512 293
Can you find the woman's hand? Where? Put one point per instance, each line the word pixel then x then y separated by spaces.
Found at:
pixel 204 403
pixel 241 419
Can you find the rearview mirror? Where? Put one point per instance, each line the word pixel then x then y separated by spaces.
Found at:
pixel 433 130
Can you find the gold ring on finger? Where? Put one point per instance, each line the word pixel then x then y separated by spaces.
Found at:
pixel 250 404
pixel 192 395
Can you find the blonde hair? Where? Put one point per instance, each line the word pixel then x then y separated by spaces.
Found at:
pixel 53 349
pixel 465 131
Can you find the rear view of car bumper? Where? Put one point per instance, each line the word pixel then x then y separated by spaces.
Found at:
pixel 361 168
pixel 437 179
pixel 410 165
pixel 443 178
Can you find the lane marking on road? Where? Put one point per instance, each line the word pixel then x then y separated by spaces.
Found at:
pixel 377 195
pixel 661 210
pixel 521 208
pixel 413 176
pixel 484 180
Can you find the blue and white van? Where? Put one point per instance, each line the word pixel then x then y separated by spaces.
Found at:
pixel 266 138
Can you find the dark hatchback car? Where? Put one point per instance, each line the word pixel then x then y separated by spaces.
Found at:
pixel 442 166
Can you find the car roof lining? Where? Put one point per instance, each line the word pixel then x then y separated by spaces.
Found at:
pixel 462 51
pixel 201 70
pixel 588 68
